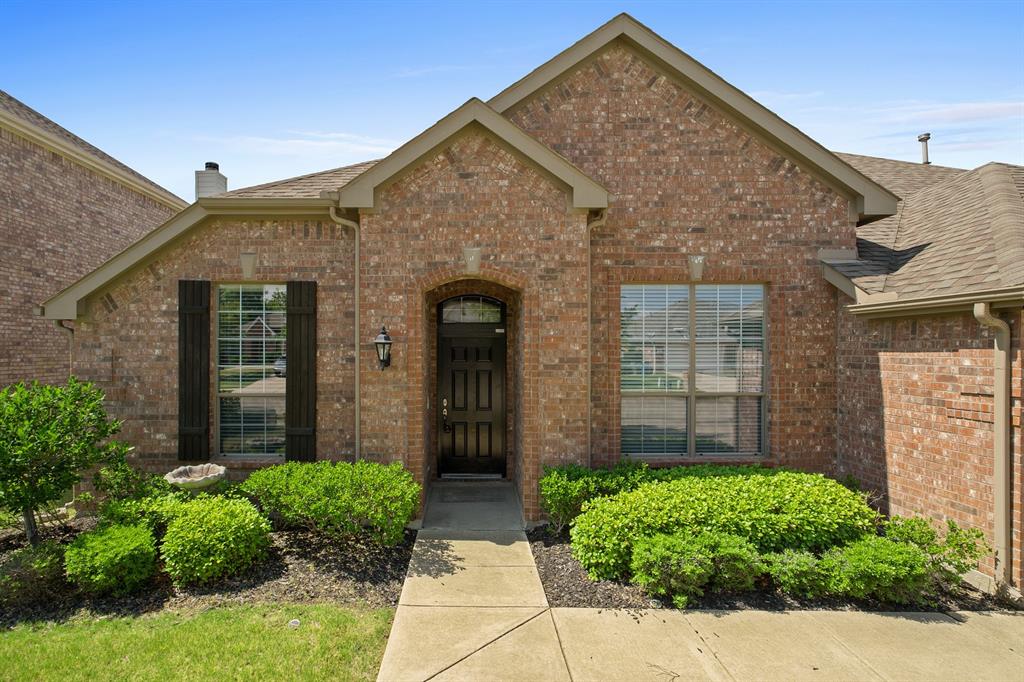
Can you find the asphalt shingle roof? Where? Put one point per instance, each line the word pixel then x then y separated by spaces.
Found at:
pixel 960 234
pixel 304 186
pixel 29 115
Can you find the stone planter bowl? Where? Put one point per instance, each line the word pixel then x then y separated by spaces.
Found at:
pixel 196 477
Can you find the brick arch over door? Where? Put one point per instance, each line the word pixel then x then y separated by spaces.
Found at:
pixel 522 450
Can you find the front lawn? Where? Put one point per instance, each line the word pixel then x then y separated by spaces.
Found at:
pixel 236 643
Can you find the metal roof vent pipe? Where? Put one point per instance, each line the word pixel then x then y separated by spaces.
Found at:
pixel 923 139
pixel 210 181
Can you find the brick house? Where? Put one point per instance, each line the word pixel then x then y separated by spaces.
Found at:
pixel 65 207
pixel 620 255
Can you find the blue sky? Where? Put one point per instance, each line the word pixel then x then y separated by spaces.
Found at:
pixel 276 89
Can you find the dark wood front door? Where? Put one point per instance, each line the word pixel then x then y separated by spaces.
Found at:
pixel 471 399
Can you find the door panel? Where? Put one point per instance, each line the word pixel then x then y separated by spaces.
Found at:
pixel 471 404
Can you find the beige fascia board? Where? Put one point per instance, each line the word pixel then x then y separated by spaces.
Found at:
pixel 1002 298
pixel 850 288
pixel 66 304
pixel 360 193
pixel 57 145
pixel 872 200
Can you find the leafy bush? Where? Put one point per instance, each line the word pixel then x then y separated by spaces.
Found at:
pixel 338 499
pixel 213 537
pixel 783 510
pixel 796 572
pixel 119 480
pixel 565 489
pixel 116 559
pixel 48 436
pixel 681 566
pixel 878 568
pixel 31 574
pixel 949 557
pixel 155 512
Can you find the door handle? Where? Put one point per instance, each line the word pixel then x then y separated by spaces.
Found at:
pixel 444 416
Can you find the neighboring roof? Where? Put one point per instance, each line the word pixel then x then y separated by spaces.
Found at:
pixel 873 200
pixel 958 236
pixel 359 193
pixel 29 123
pixel 899 177
pixel 304 186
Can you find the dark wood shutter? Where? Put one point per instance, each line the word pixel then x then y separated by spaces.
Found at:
pixel 300 392
pixel 193 370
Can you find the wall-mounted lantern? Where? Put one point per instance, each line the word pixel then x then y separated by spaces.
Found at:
pixel 383 343
pixel 696 268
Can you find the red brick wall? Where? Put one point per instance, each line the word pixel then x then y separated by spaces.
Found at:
pixel 685 179
pixel 476 193
pixel 128 342
pixel 58 221
pixel 915 418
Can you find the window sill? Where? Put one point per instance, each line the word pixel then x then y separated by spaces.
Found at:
pixel 247 461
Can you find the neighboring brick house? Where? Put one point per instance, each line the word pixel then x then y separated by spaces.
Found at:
pixel 65 207
pixel 619 255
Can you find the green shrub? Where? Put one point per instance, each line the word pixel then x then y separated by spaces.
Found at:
pixel 682 566
pixel 213 537
pixel 31 574
pixel 119 480
pixel 565 489
pixel 949 557
pixel 117 559
pixel 338 499
pixel 153 512
pixel 774 512
pixel 878 568
pixel 796 572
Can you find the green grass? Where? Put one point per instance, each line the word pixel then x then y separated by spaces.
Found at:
pixel 229 643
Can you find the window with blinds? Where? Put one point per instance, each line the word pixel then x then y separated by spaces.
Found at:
pixel 692 369
pixel 252 368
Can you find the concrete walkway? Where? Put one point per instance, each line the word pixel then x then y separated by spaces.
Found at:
pixel 473 608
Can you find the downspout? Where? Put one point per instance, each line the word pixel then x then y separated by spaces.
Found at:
pixel 599 221
pixel 1001 442
pixel 345 222
pixel 71 345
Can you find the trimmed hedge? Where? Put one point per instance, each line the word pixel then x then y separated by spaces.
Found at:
pixel 338 499
pixel 774 512
pixel 564 490
pixel 878 568
pixel 213 537
pixel 117 559
pixel 682 566
pixel 155 513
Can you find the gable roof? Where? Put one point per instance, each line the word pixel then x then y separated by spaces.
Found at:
pixel 359 193
pixel 899 177
pixel 873 200
pixel 30 124
pixel 960 236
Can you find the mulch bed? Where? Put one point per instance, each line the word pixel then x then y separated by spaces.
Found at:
pixel 566 585
pixel 301 567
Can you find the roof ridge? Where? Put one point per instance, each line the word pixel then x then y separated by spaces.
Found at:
pixel 915 164
pixel 275 183
pixel 1006 208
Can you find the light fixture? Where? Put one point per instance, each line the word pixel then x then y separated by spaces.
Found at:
pixel 696 268
pixel 383 343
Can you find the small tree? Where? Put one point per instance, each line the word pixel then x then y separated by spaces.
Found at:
pixel 49 436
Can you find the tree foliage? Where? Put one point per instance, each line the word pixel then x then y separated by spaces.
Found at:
pixel 49 435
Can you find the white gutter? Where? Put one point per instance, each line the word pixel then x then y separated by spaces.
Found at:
pixel 345 222
pixel 1002 473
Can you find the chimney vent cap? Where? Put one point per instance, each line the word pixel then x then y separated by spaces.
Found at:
pixel 924 137
pixel 212 165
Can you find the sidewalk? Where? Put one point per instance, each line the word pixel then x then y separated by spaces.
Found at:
pixel 473 608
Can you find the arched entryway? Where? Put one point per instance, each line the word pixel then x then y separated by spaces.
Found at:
pixel 472 333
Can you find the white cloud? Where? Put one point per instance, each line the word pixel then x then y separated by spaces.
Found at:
pixel 301 144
